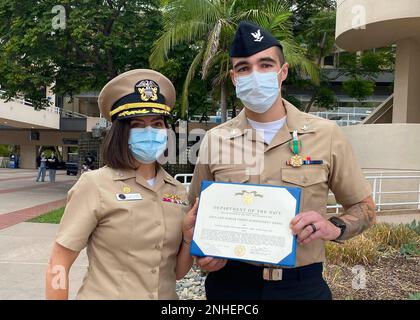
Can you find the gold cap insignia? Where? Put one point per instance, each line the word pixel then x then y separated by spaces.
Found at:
pixel 148 90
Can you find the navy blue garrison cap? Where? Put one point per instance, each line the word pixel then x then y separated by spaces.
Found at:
pixel 250 39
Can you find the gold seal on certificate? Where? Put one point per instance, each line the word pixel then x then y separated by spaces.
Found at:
pixel 240 251
pixel 246 222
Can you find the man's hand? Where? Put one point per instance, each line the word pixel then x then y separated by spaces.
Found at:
pixel 210 264
pixel 302 226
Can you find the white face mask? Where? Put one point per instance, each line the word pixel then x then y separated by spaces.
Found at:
pixel 259 90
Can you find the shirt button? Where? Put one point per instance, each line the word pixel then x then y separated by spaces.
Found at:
pixel 152 296
pixel 158 223
pixel 153 270
pixel 157 247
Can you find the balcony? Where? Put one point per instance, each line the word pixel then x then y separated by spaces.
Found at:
pixel 368 24
pixel 19 113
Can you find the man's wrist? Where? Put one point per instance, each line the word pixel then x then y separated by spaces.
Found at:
pixel 186 241
pixel 337 232
pixel 340 225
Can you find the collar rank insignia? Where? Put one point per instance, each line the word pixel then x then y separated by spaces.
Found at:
pixel 148 90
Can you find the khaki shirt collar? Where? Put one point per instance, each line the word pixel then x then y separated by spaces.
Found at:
pixel 162 177
pixel 296 120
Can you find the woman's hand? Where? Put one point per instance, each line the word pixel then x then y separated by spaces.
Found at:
pixel 184 260
pixel 189 223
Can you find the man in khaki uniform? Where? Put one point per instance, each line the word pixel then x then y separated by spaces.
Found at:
pixel 131 214
pixel 292 149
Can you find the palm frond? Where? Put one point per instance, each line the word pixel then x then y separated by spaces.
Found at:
pixel 223 60
pixel 296 58
pixel 190 75
pixel 184 21
pixel 183 33
pixel 183 10
pixel 212 47
pixel 276 19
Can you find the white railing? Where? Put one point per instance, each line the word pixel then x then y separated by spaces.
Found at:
pixel 345 118
pixel 72 114
pixel 52 109
pixel 185 179
pixel 377 189
pixel 20 100
pixel 377 192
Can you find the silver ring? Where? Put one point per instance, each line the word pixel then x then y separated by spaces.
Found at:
pixel 314 229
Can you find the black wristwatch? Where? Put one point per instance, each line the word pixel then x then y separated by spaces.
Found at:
pixel 340 224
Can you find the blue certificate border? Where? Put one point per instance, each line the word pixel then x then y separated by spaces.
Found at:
pixel 288 261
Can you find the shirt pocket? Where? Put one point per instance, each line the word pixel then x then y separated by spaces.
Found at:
pixel 236 175
pixel 304 176
pixel 313 182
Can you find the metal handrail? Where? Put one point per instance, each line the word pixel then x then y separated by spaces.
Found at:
pixel 349 117
pixel 18 100
pixel 377 194
pixel 72 114
pixel 184 177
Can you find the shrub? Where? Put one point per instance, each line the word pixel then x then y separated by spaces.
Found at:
pixel 381 239
pixel 360 250
pixel 394 236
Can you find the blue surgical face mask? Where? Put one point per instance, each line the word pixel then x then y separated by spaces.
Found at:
pixel 259 90
pixel 147 144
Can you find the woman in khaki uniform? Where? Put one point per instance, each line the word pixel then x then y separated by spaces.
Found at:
pixel 131 215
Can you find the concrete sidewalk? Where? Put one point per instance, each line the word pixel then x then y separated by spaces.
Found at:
pixel 24 252
pixel 22 198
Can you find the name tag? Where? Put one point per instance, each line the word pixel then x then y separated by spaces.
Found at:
pixel 128 196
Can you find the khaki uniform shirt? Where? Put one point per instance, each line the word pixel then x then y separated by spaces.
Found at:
pixel 321 140
pixel 132 245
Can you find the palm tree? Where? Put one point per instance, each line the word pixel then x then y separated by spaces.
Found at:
pixel 209 26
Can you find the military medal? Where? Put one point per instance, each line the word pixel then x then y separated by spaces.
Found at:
pixel 297 161
pixel 295 145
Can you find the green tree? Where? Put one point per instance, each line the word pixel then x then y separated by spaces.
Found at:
pixel 5 150
pixel 318 35
pixel 208 26
pixel 100 39
pixel 176 68
pixel 362 70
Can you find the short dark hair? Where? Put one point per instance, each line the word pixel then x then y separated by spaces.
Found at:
pixel 116 153
pixel 281 55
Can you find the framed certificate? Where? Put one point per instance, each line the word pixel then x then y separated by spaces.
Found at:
pixel 246 222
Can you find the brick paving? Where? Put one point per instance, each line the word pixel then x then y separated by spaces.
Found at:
pixel 15 217
pixel 21 198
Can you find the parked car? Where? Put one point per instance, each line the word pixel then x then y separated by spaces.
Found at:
pixel 72 165
pixel 61 165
